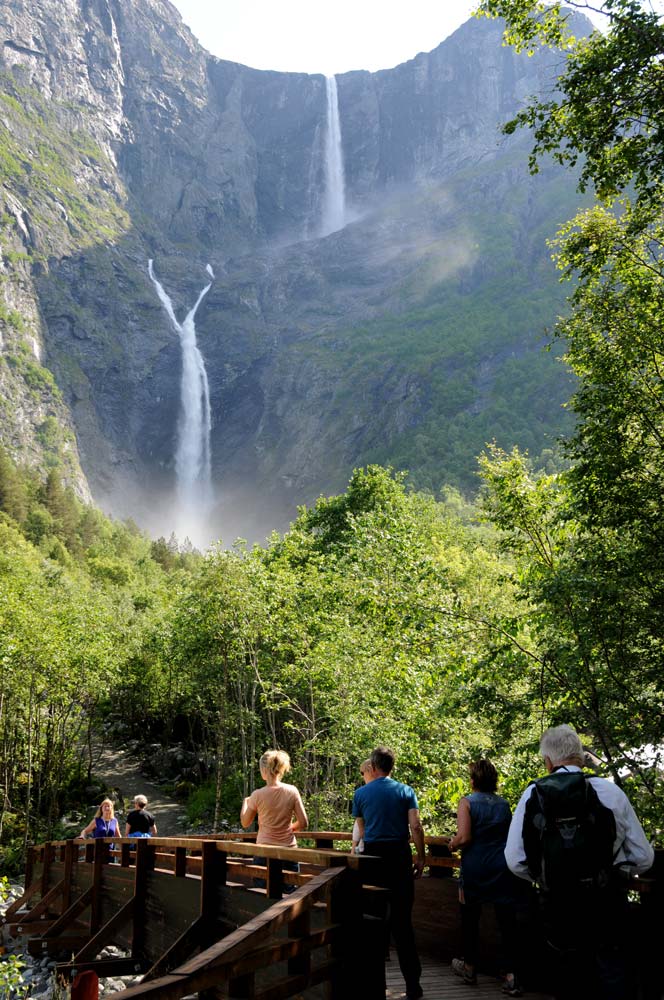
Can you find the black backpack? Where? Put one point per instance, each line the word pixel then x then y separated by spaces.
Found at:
pixel 568 835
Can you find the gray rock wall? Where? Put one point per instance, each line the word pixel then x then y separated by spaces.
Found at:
pixel 163 151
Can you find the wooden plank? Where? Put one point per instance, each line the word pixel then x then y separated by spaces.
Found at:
pixel 180 862
pixel 40 909
pixel 245 938
pixel 193 866
pixel 18 904
pixel 318 835
pixel 180 951
pixel 320 858
pixel 274 880
pixel 30 857
pixel 71 856
pixel 101 856
pixel 435 862
pixel 213 875
pixel 102 966
pixel 266 957
pixel 145 853
pixel 205 970
pixel 49 857
pixel 106 933
pixel 440 983
pixel 294 984
pixel 283 950
pixel 70 914
pixel 300 927
pixel 18 929
pixel 40 946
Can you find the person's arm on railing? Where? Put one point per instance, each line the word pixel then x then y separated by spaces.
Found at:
pixel 358 834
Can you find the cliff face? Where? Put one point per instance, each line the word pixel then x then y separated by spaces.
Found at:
pixel 405 336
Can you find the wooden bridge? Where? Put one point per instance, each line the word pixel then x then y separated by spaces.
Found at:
pixel 203 916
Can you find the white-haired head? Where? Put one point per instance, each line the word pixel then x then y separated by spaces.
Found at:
pixel 561 744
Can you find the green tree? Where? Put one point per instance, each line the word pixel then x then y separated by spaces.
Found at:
pixel 13 495
pixel 597 601
pixel 605 114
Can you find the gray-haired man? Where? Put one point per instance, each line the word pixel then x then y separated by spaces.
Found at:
pixel 584 920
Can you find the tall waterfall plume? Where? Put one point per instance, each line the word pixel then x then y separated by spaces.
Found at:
pixel 193 469
pixel 334 196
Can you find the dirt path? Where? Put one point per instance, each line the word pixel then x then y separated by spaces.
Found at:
pixel 119 769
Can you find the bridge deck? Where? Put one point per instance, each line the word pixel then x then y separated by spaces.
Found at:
pixel 440 983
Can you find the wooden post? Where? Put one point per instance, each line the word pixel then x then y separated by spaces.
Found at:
pixel 71 854
pixel 275 878
pixel 145 861
pixel 48 856
pixel 180 862
pixel 214 873
pixel 100 858
pixel 360 945
pixel 29 866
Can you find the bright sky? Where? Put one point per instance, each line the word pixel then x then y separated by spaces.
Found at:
pixel 310 36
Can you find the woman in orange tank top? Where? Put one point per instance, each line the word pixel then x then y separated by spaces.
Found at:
pixel 278 806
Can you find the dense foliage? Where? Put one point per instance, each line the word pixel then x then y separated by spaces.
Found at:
pixel 589 542
pixel 384 614
pixel 80 597
pixel 381 615
pixel 367 621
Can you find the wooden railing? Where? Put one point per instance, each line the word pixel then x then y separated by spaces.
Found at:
pixel 221 914
pixel 190 917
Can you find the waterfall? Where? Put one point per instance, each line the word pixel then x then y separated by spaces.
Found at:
pixel 193 470
pixel 334 208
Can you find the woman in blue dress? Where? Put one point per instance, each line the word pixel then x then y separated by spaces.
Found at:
pixel 483 819
pixel 104 823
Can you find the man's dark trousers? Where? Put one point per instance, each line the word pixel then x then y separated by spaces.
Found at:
pixel 399 873
pixel 592 964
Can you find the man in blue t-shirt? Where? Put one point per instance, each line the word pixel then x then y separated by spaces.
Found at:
pixel 387 815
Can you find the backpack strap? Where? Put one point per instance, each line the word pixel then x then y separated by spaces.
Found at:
pixel 594 791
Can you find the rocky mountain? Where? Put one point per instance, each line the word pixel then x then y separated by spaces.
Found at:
pixel 411 335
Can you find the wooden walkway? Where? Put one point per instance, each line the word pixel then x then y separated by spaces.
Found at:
pixel 440 983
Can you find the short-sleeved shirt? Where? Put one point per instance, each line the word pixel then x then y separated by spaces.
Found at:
pixel 275 806
pixel 140 821
pixel 384 805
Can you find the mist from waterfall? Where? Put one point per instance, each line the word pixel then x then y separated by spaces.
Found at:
pixel 334 195
pixel 193 469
